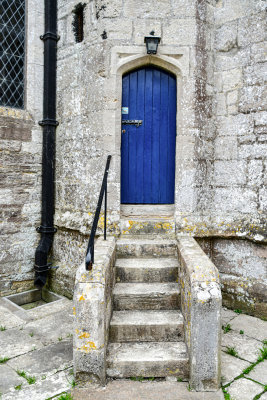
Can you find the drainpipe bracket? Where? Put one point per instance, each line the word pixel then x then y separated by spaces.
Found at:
pixel 50 35
pixel 46 229
pixel 47 121
pixel 44 268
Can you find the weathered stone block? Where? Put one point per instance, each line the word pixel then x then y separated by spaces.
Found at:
pixel 235 58
pixel 259 52
pixel 255 170
pixel 221 104
pixel 229 173
pixel 240 124
pixel 180 32
pixel 235 200
pixel 147 9
pixel 251 29
pixel 253 98
pixel 111 9
pixel 181 8
pixel 263 199
pixel 253 150
pixel 143 28
pixel 226 36
pixel 115 31
pixel 255 74
pixel 232 79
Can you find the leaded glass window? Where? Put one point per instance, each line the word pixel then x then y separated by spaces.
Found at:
pixel 12 52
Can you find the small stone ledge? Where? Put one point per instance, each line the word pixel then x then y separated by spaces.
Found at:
pixel 201 307
pixel 92 312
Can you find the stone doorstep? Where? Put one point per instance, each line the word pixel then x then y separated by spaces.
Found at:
pixel 147 210
pixel 152 359
pixel 146 296
pixel 152 326
pixel 146 270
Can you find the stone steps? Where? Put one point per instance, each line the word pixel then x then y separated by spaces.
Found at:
pixel 146 326
pixel 132 246
pixel 147 359
pixel 147 270
pixel 146 296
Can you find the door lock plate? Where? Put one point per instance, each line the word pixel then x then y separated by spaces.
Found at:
pixel 136 122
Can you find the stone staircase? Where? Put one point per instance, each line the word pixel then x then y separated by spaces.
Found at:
pixel 146 335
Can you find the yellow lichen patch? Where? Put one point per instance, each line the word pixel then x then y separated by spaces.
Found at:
pixel 81 298
pixel 176 371
pixel 92 345
pixel 84 335
pixel 74 311
pixel 157 226
pixel 77 331
pixel 166 226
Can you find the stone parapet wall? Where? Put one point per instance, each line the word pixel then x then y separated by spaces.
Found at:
pixel 201 307
pixel 92 313
pixel 243 270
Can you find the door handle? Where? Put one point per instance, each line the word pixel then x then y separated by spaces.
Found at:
pixel 136 122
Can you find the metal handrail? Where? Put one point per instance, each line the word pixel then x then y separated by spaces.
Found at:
pixel 89 258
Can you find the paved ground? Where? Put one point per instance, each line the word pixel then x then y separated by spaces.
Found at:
pixel 36 360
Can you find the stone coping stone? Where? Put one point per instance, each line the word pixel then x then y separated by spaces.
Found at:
pixel 244 389
pixel 252 327
pixel 231 367
pixel 121 389
pixel 247 348
pixel 199 267
pixel 8 319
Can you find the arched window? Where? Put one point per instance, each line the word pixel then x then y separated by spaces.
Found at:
pixel 12 52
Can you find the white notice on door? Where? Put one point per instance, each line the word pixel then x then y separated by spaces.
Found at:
pixel 125 110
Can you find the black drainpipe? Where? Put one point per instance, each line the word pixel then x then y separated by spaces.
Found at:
pixel 49 124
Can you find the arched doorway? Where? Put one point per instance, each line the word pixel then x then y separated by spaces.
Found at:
pixel 148 136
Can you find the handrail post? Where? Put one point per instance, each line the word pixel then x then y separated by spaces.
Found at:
pixel 105 212
pixel 89 257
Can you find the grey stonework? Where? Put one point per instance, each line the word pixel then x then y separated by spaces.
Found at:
pixel 217 50
pixel 201 307
pixel 20 166
pixel 243 270
pixel 92 313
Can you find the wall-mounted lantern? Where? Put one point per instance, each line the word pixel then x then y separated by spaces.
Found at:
pixel 152 43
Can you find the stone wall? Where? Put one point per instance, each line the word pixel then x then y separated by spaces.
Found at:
pixel 217 51
pixel 89 101
pixel 243 270
pixel 240 146
pixel 21 151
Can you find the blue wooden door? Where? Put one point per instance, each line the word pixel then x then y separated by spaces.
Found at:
pixel 148 151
